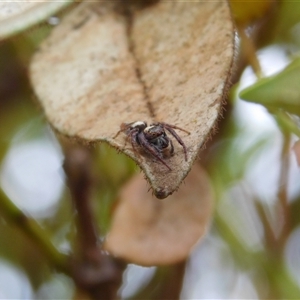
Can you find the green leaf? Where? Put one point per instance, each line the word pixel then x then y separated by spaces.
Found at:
pixel 279 91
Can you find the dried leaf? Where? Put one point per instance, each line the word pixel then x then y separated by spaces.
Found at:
pixel 184 52
pixel 16 16
pixel 106 64
pixel 146 231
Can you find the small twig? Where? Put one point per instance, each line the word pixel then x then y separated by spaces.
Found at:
pixel 250 52
pixel 172 286
pixel 285 121
pixel 78 169
pixel 33 230
pixel 284 210
pixel 165 284
pixel 93 271
pixel 270 238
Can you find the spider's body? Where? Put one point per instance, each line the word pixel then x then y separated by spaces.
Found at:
pixel 153 138
pixel 157 136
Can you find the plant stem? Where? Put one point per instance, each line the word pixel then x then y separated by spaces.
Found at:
pixel 78 166
pixel 285 122
pixel 93 271
pixel 250 52
pixel 284 209
pixel 33 230
pixel 166 283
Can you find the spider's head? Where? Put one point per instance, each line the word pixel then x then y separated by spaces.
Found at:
pixel 153 131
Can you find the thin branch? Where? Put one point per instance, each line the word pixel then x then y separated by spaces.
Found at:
pixel 93 270
pixel 284 209
pixel 33 230
pixel 78 167
pixel 165 284
pixel 270 238
pixel 172 285
pixel 249 51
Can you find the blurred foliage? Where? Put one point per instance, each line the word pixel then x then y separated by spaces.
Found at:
pixel 280 91
pixel 229 158
pixel 246 12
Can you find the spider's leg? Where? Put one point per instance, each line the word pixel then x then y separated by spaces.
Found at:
pixel 177 137
pixel 126 140
pixel 133 137
pixel 123 128
pixel 117 133
pixel 172 147
pixel 151 149
pixel 166 125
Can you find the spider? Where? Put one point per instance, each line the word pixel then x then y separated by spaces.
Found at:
pixel 153 138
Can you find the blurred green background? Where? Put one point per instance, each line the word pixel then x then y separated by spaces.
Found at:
pixel 252 248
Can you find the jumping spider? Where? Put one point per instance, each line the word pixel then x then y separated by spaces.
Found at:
pixel 153 138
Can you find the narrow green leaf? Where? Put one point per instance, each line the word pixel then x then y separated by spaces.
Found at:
pixel 279 91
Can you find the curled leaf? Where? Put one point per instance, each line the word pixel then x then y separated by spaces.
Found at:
pixel 108 63
pixel 16 16
pixel 146 231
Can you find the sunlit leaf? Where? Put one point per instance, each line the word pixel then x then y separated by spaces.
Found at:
pixel 108 63
pixel 146 231
pixel 16 16
pixel 279 91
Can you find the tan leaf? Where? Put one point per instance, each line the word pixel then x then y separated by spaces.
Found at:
pixel 107 64
pixel 16 16
pixel 146 231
